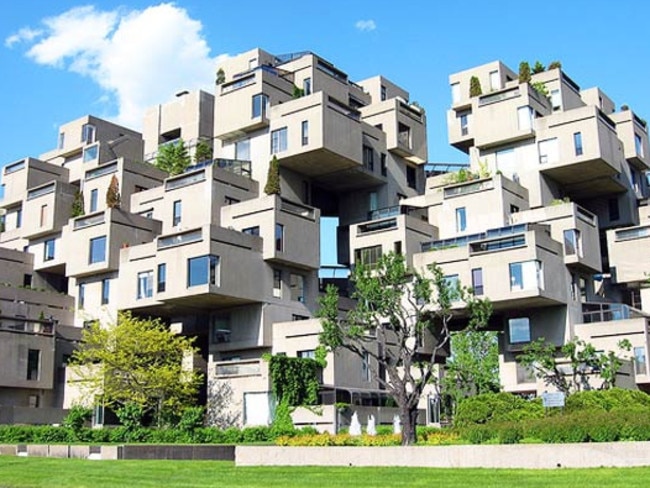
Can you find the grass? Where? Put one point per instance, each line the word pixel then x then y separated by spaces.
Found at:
pixel 79 473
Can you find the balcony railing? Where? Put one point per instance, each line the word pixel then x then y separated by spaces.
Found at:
pixel 634 233
pixel 385 212
pixel 185 180
pixel 476 186
pixel 464 240
pixel 12 168
pixel 497 97
pixel 297 209
pixel 607 312
pixel 17 324
pixel 105 169
pixel 250 368
pixel 39 192
pixel 377 226
pixel 82 222
pixel 235 85
pixel 180 239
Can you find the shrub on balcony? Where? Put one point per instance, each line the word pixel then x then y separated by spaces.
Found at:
pixel 77 205
pixel 538 67
pixel 203 152
pixel 272 186
pixel 113 199
pixel 173 158
pixel 475 87
pixel 221 77
pixel 524 72
pixel 554 65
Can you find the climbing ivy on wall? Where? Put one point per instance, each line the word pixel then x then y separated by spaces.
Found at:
pixel 295 380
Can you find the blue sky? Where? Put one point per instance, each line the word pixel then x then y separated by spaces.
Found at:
pixel 61 60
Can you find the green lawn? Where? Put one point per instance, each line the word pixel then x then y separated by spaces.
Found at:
pixel 75 473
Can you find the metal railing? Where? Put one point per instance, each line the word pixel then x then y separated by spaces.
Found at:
pixel 498 97
pixel 608 312
pixel 464 189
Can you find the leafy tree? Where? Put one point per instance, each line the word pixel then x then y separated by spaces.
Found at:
pixel 473 368
pixel 173 158
pixel 475 87
pixel 524 72
pixel 538 67
pixel 272 186
pixel 77 205
pixel 396 307
pixel 221 77
pixel 137 364
pixel 581 361
pixel 113 199
pixel 203 152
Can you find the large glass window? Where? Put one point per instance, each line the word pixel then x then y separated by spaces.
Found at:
pixel 638 145
pixel 477 281
pixel 260 104
pixel 88 133
pixel 306 86
pixel 97 252
pixel 106 291
pixel 162 278
pixel 519 330
pixel 48 250
pixel 33 364
pixel 368 157
pixel 90 153
pixel 548 151
pixel 525 118
pixel 526 275
pixel 464 123
pixel 640 361
pixel 203 270
pixel 93 200
pixel 279 140
pixel 243 150
pixel 461 219
pixel 279 237
pixel 556 99
pixel 176 213
pixel 145 284
pixel 452 283
pixel 577 143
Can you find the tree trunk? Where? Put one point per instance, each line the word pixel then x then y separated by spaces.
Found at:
pixel 409 418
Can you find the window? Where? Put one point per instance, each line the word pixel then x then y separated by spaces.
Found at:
pixel 93 200
pixel 452 284
pixel 252 63
pixel 639 361
pixel 162 278
pixel 221 330
pixel 514 209
pixel 382 93
pixel 297 285
pixel 477 281
pixel 309 353
pixel 461 219
pixel 582 287
pixel 304 132
pixel 90 153
pixel 384 167
pixel 365 366
pixel 455 93
pixel 203 270
pixel 176 213
pixel 19 218
pixel 526 275
pixel 82 295
pixel 279 237
pixel 306 86
pixel 411 177
pixel 97 252
pixel 252 231
pixel 577 143
pixel 61 141
pixel 638 145
pixel 572 242
pixel 556 99
pixel 495 80
pixel 106 289
pixel 48 250
pixel 243 150
pixel 519 330
pixel 277 283
pixel 43 219
pixel 88 133
pixel 367 255
pixel 372 201
pixel 368 158
pixel 525 116
pixel 404 135
pixel 464 123
pixel 279 140
pixel 27 278
pixel 548 151
pixel 397 247
pixel 230 200
pixel 260 104
pixel 145 284
pixel 612 205
pixel 33 364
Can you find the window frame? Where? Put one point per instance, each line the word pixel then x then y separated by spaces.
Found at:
pixel 144 285
pixel 279 140
pixel 92 250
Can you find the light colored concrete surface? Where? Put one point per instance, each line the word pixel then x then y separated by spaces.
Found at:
pixel 530 456
pixel 109 452
pixel 79 452
pixel 40 450
pixel 59 451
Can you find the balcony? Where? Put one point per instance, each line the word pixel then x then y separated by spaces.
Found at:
pixel 633 133
pixel 28 173
pixel 627 248
pixel 250 367
pixel 607 312
pixel 49 208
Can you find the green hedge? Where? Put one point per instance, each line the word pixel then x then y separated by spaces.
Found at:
pixel 496 407
pixel 43 434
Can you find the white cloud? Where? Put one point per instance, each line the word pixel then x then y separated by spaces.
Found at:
pixel 139 58
pixel 24 34
pixel 366 25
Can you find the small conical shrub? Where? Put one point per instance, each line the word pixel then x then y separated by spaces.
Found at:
pixel 272 186
pixel 524 72
pixel 475 87
pixel 113 199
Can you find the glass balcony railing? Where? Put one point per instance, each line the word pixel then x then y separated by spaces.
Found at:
pixel 376 226
pixel 185 180
pixel 12 168
pixel 103 170
pixel 607 312
pixel 497 97
pixel 39 192
pixel 297 209
pixel 469 188
pixel 385 212
pixel 180 239
pixel 82 222
pixel 490 234
pixel 634 233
